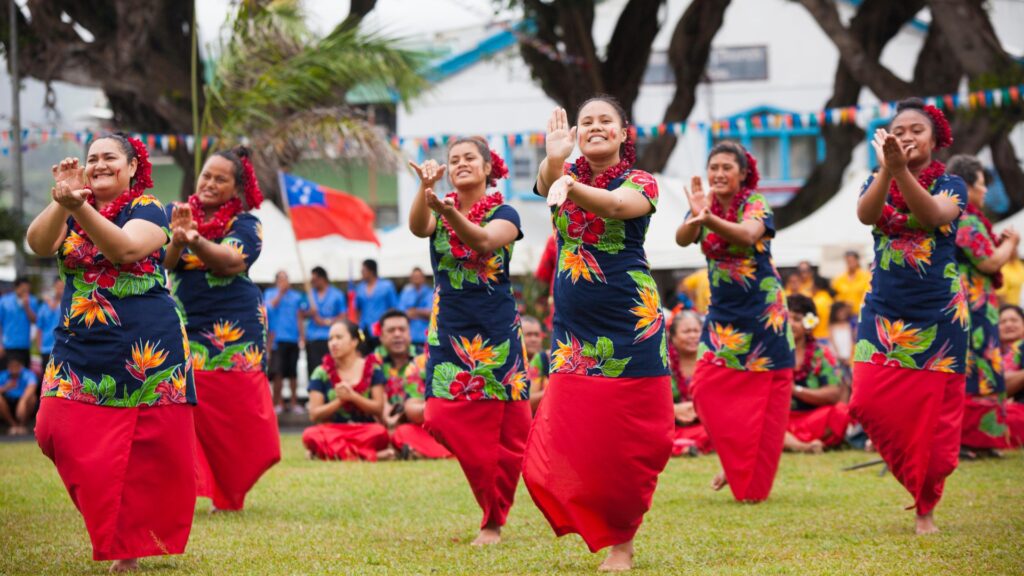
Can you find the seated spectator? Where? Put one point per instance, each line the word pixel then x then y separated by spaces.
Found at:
pixel 684 339
pixel 817 419
pixel 346 395
pixel 403 373
pixel 1011 338
pixel 538 360
pixel 18 393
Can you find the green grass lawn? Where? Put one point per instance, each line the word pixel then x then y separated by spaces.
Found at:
pixel 418 517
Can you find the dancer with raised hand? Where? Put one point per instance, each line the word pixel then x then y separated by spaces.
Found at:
pixel 477 387
pixel 744 375
pixel 115 415
pixel 908 371
pixel 214 242
pixel 604 430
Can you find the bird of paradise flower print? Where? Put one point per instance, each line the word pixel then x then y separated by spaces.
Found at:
pixel 902 343
pixel 475 379
pixel 727 345
pixel 574 356
pixel 650 319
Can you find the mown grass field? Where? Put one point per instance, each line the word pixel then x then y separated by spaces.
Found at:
pixel 418 517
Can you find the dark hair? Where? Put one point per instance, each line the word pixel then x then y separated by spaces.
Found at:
pixel 966 167
pixel 478 141
pixel 800 304
pixel 392 313
pixel 1016 309
pixel 363 347
pixel 21 280
pixel 235 155
pixel 371 265
pixel 122 141
pixel 730 147
pixel 527 318
pixel 838 307
pixel 319 271
pixel 416 269
pixel 853 253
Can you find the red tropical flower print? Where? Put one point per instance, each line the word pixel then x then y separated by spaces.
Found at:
pixel 103 274
pixel 465 384
pixel 585 226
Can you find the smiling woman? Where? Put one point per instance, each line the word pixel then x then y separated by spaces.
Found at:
pixel 108 235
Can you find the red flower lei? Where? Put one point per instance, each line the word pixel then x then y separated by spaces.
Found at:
pixel 801 373
pixel 215 227
pixel 926 178
pixel 584 173
pixel 332 372
pixel 713 245
pixel 681 383
pixel 997 278
pixel 476 215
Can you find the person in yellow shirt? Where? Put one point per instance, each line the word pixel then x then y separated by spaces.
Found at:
pixel 805 272
pixel 851 286
pixel 823 304
pixel 698 288
pixel 1013 279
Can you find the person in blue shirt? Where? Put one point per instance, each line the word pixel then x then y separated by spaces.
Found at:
pixel 47 321
pixel 416 300
pixel 327 307
pixel 17 315
pixel 374 297
pixel 18 393
pixel 284 311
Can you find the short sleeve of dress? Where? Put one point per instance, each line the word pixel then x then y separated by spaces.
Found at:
pixel 973 240
pixel 506 212
pixel 645 184
pixel 757 208
pixel 828 374
pixel 952 187
pixel 148 208
pixel 867 183
pixel 245 236
pixel 377 377
pixel 319 381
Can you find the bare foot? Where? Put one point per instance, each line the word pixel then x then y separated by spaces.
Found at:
pixel 129 565
pixel 487 536
pixel 620 558
pixel 387 454
pixel 926 524
pixel 815 447
pixel 719 482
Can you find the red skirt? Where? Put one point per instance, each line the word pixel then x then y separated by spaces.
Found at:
pixel 129 471
pixel 745 414
pixel 419 441
pixel 683 437
pixel 595 451
pixel 913 417
pixel 346 441
pixel 1015 422
pixel 488 438
pixel 986 424
pixel 236 433
pixel 825 423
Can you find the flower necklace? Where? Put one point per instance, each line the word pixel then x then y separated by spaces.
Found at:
pixel 584 173
pixel 893 220
pixel 476 215
pixel 83 254
pixel 801 373
pixel 332 372
pixel 112 210
pixel 215 227
pixel 714 246
pixel 682 386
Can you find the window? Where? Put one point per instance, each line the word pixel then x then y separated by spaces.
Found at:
pixel 658 70
pixel 803 156
pixel 767 150
pixel 523 165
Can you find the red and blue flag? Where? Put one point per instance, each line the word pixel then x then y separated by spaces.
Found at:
pixel 317 211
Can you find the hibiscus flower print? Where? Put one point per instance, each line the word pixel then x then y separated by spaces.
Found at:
pixel 585 226
pixel 467 386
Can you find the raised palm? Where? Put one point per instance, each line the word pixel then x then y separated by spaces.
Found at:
pixel 695 196
pixel 69 174
pixel 560 139
pixel 429 173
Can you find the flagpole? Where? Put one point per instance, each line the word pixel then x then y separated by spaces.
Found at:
pixel 298 253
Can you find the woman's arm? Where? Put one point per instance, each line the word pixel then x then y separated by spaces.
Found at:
pixel 481 239
pixel 222 259
pixel 620 204
pixel 559 144
pixel 319 410
pixel 135 241
pixel 47 230
pixel 1002 254
pixel 745 233
pixel 823 396
pixel 422 222
pixel 689 231
pixel 1014 382
pixel 374 405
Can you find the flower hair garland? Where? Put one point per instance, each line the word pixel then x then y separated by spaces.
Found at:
pixel 498 170
pixel 943 133
pixel 253 194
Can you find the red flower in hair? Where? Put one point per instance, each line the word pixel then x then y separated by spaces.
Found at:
pixel 943 133
pixel 253 194
pixel 498 170
pixel 753 176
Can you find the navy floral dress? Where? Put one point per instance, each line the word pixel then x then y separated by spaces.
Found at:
pixel 224 315
pixel 747 326
pixel 824 371
pixel 120 342
pixel 475 342
pixel 608 320
pixel 916 314
pixel 349 413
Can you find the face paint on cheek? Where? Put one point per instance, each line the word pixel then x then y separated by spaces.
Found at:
pixel 613 133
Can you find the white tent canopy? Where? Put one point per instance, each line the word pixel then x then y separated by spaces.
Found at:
pixel 818 238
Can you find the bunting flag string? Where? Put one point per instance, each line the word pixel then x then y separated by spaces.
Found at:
pixel 1009 96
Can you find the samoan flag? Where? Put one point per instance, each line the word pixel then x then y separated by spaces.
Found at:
pixel 317 211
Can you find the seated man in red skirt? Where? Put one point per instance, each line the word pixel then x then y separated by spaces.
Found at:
pixel 403 373
pixel 346 394
pixel 817 419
